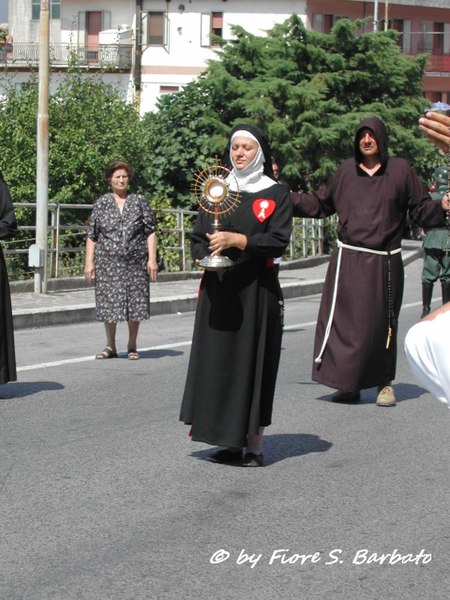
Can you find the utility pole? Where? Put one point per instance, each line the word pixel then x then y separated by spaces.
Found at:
pixel 137 71
pixel 38 254
pixel 375 15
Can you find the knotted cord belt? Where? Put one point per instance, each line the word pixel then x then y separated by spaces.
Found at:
pixel 388 253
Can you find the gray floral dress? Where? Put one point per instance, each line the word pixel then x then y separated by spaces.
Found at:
pixel 122 284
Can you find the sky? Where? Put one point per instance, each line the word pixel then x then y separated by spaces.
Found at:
pixel 3 11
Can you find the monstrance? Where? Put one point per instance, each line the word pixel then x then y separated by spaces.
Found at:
pixel 212 190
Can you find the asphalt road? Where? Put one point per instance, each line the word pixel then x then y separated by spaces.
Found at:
pixel 104 497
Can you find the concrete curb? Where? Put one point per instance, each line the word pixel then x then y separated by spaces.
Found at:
pixel 70 314
pixel 46 317
pixel 27 318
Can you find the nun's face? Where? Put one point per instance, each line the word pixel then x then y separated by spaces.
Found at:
pixel 243 151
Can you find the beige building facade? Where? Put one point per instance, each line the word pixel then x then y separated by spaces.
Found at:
pixel 153 47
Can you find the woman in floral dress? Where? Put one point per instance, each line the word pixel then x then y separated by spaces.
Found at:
pixel 120 258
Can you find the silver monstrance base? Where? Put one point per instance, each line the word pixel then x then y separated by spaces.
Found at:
pixel 216 262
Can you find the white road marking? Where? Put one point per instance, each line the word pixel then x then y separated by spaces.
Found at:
pixel 80 359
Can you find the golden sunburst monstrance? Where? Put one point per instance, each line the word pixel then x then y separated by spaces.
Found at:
pixel 211 187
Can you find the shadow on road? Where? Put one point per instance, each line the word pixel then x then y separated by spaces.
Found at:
pixel 24 389
pixel 278 447
pixel 159 353
pixel 403 391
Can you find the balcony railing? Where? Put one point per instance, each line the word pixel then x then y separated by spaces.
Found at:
pixel 119 56
pixel 110 56
pixel 435 44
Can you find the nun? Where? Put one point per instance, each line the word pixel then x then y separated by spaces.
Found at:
pixel 230 385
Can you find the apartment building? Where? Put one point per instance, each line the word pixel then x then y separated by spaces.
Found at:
pixel 153 47
pixel 424 27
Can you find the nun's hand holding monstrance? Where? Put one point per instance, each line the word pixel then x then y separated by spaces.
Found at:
pixel 213 189
pixel 221 240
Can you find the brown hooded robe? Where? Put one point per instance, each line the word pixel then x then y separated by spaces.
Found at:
pixel 372 212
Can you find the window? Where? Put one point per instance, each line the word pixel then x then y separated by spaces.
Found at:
pixel 217 27
pixel 54 7
pixel 323 23
pixel 426 37
pixel 404 28
pixel 89 26
pixel 446 47
pixel 438 39
pixel 168 89
pixel 211 29
pixel 405 40
pixel 154 29
pixel 434 96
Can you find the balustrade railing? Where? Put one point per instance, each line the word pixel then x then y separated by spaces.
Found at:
pixel 67 234
pixel 103 55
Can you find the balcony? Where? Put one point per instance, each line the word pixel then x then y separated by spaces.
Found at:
pixel 438 63
pixel 104 56
pixel 433 43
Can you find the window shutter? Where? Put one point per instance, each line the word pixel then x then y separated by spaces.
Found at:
pixel 166 29
pixel 144 29
pixel 406 46
pixel 81 28
pixel 205 31
pixel 446 48
pixel 106 19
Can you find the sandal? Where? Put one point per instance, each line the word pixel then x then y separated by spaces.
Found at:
pixel 106 353
pixel 133 355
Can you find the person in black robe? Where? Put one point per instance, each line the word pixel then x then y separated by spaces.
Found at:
pixel 8 228
pixel 230 384
pixel 356 333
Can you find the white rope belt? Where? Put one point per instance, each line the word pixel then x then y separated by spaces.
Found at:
pixel 341 245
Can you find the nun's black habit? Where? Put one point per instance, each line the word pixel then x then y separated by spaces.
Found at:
pixel 238 325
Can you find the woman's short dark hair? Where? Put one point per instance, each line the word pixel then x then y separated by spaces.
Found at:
pixel 118 164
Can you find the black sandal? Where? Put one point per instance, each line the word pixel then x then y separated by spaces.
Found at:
pixel 106 353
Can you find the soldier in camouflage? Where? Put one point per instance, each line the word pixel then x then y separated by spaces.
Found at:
pixel 436 245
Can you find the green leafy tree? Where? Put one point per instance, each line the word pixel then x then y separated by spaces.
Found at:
pixel 89 125
pixel 181 139
pixel 307 90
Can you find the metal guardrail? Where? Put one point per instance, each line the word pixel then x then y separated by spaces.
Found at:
pixel 175 226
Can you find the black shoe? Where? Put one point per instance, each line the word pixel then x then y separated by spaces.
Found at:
pixel 425 311
pixel 253 460
pixel 346 397
pixel 226 456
